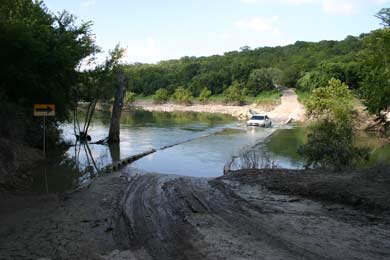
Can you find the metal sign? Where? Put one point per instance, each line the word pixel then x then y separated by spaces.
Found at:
pixel 44 110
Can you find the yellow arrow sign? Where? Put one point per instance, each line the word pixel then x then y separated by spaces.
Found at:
pixel 44 110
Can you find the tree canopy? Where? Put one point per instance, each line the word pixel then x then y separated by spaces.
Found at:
pixel 305 65
pixel 40 54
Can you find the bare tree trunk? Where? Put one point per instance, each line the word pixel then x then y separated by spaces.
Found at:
pixel 113 135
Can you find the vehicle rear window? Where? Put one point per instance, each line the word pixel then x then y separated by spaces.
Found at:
pixel 258 117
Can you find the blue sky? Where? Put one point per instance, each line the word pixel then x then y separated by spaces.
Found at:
pixel 154 30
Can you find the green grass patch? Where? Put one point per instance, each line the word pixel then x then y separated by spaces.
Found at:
pixel 303 96
pixel 268 97
pixel 217 99
pixel 143 98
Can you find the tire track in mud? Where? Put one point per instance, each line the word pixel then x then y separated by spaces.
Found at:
pixel 155 223
pixel 173 217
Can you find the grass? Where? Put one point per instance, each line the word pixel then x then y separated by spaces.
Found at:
pixel 303 96
pixel 217 99
pixel 268 97
pixel 143 98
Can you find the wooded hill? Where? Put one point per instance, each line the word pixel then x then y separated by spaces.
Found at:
pixel 361 62
pixel 290 64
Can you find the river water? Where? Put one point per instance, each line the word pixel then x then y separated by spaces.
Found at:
pixel 214 140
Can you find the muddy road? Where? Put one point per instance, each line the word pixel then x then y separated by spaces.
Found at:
pixel 191 218
pixel 154 216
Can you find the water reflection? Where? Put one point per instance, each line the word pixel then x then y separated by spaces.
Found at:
pixel 283 146
pixel 203 157
pixel 140 131
pixel 215 139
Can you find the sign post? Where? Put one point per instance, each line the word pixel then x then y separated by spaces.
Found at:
pixel 44 110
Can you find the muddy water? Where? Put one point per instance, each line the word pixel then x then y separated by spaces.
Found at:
pixel 141 131
pixel 283 146
pixel 214 140
pixel 206 156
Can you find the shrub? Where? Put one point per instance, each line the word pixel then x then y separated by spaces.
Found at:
pixel 333 102
pixel 204 96
pixel 130 98
pixel 161 96
pixel 182 96
pixel 331 139
pixel 330 145
pixel 233 94
pixel 312 80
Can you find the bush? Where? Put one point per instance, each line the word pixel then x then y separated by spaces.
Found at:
pixel 330 145
pixel 204 96
pixel 182 96
pixel 233 94
pixel 331 139
pixel 130 98
pixel 161 96
pixel 312 80
pixel 333 102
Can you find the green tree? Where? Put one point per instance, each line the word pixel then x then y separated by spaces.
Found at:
pixel 312 80
pixel 259 80
pixel 204 96
pixel 276 76
pixel 161 96
pixel 130 98
pixel 40 58
pixel 375 58
pixel 331 138
pixel 333 102
pixel 331 145
pixel 375 88
pixel 233 94
pixel 384 16
pixel 182 96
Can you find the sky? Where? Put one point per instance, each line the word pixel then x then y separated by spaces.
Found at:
pixel 155 30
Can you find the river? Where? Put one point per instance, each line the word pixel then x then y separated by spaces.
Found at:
pixel 213 140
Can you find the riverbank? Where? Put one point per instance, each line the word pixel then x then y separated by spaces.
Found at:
pixel 289 107
pixel 267 214
pixel 15 161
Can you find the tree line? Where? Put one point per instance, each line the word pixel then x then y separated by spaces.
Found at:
pixel 361 62
pixel 42 53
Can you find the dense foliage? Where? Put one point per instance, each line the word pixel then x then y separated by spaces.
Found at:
pixel 233 94
pixel 255 70
pixel 40 53
pixel 161 96
pixel 182 96
pixel 331 145
pixel 360 62
pixel 330 141
pixel 204 96
pixel 333 102
pixel 129 98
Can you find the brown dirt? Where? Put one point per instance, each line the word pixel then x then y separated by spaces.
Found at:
pixel 270 214
pixel 15 161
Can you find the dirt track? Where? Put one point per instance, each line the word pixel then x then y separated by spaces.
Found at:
pixel 191 218
pixel 155 216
